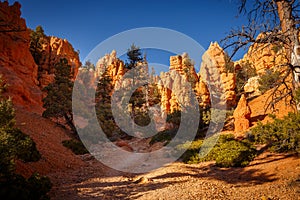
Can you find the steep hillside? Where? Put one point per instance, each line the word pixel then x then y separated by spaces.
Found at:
pixel 48 137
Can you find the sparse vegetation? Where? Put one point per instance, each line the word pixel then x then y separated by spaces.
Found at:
pixel 247 71
pixel 36 41
pixel 268 80
pixel 16 145
pixel 228 152
pixel 281 135
pixel 76 146
pixel 164 136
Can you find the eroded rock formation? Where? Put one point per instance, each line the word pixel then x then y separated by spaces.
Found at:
pixel 53 49
pixel 265 56
pixel 19 70
pixel 241 116
pixel 16 63
pixel 215 75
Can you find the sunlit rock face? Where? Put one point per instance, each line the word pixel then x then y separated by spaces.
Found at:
pixel 16 63
pixel 215 75
pixel 54 49
pixel 265 56
pixel 241 116
pixel 18 67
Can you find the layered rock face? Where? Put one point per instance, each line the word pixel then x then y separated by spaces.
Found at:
pixel 265 56
pixel 113 66
pixel 53 49
pixel 176 85
pixel 214 74
pixel 17 65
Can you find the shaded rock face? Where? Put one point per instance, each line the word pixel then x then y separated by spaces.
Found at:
pixel 214 74
pixel 16 62
pixel 241 116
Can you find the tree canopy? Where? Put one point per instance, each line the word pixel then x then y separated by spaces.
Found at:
pixel 58 102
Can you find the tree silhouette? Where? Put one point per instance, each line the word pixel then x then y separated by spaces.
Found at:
pixel 278 22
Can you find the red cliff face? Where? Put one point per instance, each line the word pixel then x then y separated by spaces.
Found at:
pixel 54 49
pixel 17 65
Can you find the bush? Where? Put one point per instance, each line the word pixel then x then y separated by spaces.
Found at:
pixel 228 152
pixel 268 80
pixel 235 154
pixel 76 146
pixel 163 136
pixel 26 147
pixel 281 135
pixel 17 187
pixel 247 71
pixel 16 145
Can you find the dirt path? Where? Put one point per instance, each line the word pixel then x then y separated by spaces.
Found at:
pixel 270 176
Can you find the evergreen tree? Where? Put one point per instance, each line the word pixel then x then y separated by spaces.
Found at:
pixel 139 99
pixel 16 145
pixel 36 43
pixel 134 56
pixel 103 105
pixel 58 102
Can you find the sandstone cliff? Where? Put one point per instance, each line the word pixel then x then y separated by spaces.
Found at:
pixel 264 56
pixel 16 63
pixel 53 49
pixel 215 75
pixel 17 66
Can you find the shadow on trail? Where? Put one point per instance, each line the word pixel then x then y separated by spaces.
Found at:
pixel 241 176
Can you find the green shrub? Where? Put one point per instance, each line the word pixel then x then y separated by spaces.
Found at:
pixel 163 136
pixel 216 115
pixel 268 80
pixel 281 135
pixel 228 152
pixel 17 187
pixel 16 145
pixel 76 146
pixel 247 71
pixel 26 148
pixel 39 186
pixel 235 154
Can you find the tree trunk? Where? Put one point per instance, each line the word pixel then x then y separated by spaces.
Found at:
pixel 70 123
pixel 288 25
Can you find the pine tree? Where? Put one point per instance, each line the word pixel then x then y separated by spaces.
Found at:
pixel 139 98
pixel 36 43
pixel 16 145
pixel 58 102
pixel 103 105
pixel 134 55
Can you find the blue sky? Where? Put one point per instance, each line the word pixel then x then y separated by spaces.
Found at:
pixel 87 23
